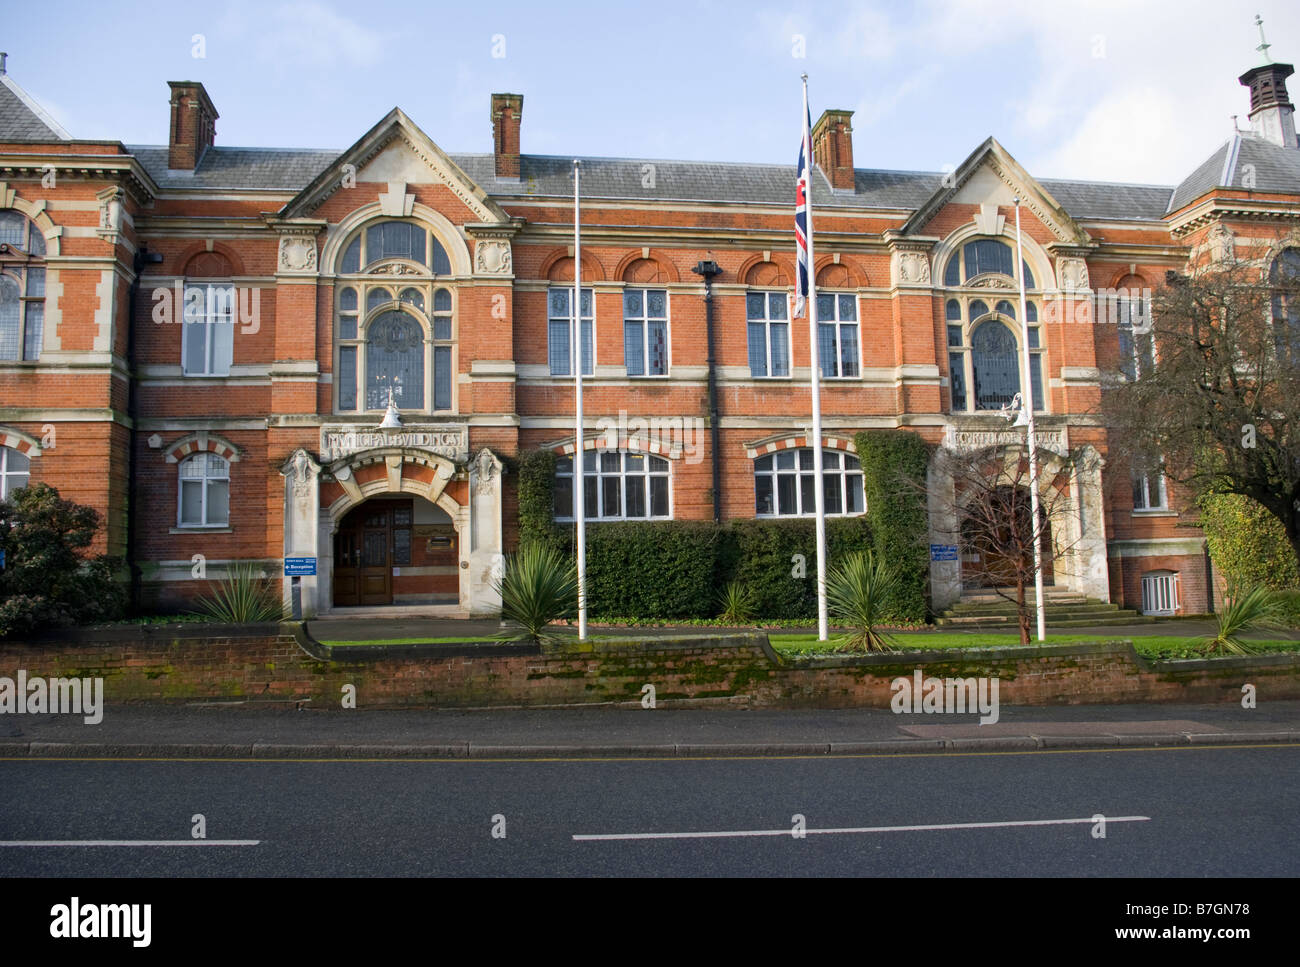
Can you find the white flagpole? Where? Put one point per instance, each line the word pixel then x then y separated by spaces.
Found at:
pixel 1028 402
pixel 579 455
pixel 815 382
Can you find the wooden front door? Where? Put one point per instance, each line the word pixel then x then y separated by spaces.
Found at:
pixel 363 552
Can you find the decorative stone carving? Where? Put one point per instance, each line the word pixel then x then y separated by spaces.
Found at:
pixel 991 282
pixel 492 257
pixel 301 468
pixel 485 467
pixel 110 212
pixel 394 268
pixel 1071 273
pixel 1222 243
pixel 397 202
pixel 988 221
pixel 913 268
pixel 297 253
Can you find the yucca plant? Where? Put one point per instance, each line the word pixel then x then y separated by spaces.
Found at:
pixel 243 596
pixel 856 590
pixel 737 601
pixel 1243 610
pixel 537 586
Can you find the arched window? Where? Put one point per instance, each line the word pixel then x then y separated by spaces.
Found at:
pixel 984 256
pixel 394 361
pixel 15 469
pixel 394 322
pixel 617 485
pixel 785 484
pixel 204 499
pixel 983 353
pixel 1284 275
pixel 22 287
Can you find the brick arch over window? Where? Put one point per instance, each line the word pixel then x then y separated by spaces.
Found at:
pixel 16 439
pixel 1129 281
pixel 198 443
pixel 558 267
pixel 840 275
pixel 797 441
pixel 765 273
pixel 200 262
pixel 638 269
pixel 664 442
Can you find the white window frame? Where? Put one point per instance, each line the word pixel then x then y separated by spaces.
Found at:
pixel 211 325
pixel 1143 480
pixel 969 323
pixel 6 475
pixel 644 320
pixel 601 475
pixel 1124 304
pixel 844 472
pixel 204 481
pixel 574 351
pixel 1160 588
pixel 839 327
pixel 767 323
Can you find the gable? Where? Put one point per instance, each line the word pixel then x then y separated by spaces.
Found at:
pixel 395 151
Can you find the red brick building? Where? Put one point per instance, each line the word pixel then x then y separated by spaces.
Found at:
pixel 201 341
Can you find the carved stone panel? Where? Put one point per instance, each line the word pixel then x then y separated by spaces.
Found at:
pixel 492 257
pixel 1071 273
pixel 297 253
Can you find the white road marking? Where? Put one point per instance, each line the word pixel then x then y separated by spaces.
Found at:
pixel 731 834
pixel 131 842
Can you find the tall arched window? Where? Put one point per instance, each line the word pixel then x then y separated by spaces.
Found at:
pixel 995 365
pixel 1284 275
pixel 984 360
pixel 22 287
pixel 394 321
pixel 983 257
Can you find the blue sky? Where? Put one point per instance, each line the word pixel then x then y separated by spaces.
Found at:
pixel 1109 90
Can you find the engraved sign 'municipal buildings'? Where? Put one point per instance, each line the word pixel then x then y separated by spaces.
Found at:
pixel 253 354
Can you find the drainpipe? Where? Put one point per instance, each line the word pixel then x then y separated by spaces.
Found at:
pixel 707 268
pixel 142 258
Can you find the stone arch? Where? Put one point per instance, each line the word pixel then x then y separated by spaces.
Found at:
pixel 452 238
pixel 1036 257
pixel 35 211
pixel 394 480
pixel 637 268
pixel 558 267
pixel 797 441
pixel 16 439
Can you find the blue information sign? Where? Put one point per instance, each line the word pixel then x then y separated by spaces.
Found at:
pixel 300 566
pixel 943 552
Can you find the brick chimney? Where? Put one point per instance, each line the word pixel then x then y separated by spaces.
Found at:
pixel 193 125
pixel 507 111
pixel 832 138
pixel 1272 116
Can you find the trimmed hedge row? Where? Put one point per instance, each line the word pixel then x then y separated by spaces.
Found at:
pixel 655 570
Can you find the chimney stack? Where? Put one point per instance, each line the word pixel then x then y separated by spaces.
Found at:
pixel 193 125
pixel 507 111
pixel 1272 116
pixel 832 139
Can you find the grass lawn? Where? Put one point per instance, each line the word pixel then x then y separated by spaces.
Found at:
pixel 1153 646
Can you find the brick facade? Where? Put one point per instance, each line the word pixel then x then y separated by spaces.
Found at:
pixel 121 400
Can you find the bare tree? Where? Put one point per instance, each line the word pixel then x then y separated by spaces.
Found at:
pixel 1216 406
pixel 984 494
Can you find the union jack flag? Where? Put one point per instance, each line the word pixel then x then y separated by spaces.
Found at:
pixel 803 209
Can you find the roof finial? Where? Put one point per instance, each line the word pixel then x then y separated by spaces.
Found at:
pixel 3 55
pixel 1264 45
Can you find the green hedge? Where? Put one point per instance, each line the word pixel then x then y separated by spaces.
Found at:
pixel 654 570
pixel 894 465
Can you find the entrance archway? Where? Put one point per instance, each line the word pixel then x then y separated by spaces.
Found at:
pixel 997 540
pixel 396 549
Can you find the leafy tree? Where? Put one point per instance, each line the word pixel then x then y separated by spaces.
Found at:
pixel 46 582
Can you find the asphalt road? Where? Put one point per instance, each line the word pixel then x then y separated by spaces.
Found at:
pixel 1225 811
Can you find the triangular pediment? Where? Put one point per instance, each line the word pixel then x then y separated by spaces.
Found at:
pixel 394 151
pixel 991 177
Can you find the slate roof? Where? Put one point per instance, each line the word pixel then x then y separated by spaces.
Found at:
pixel 276 169
pixel 22 119
pixel 1275 169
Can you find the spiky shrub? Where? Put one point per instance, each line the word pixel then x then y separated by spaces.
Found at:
pixel 537 586
pixel 857 592
pixel 243 596
pixel 737 601
pixel 1244 610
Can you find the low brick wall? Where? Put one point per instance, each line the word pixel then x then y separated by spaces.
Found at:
pixel 281 663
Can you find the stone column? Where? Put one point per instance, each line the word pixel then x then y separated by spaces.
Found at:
pixel 945 576
pixel 485 544
pixel 1091 562
pixel 301 531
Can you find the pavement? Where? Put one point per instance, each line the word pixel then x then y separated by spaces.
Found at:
pixel 259 730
